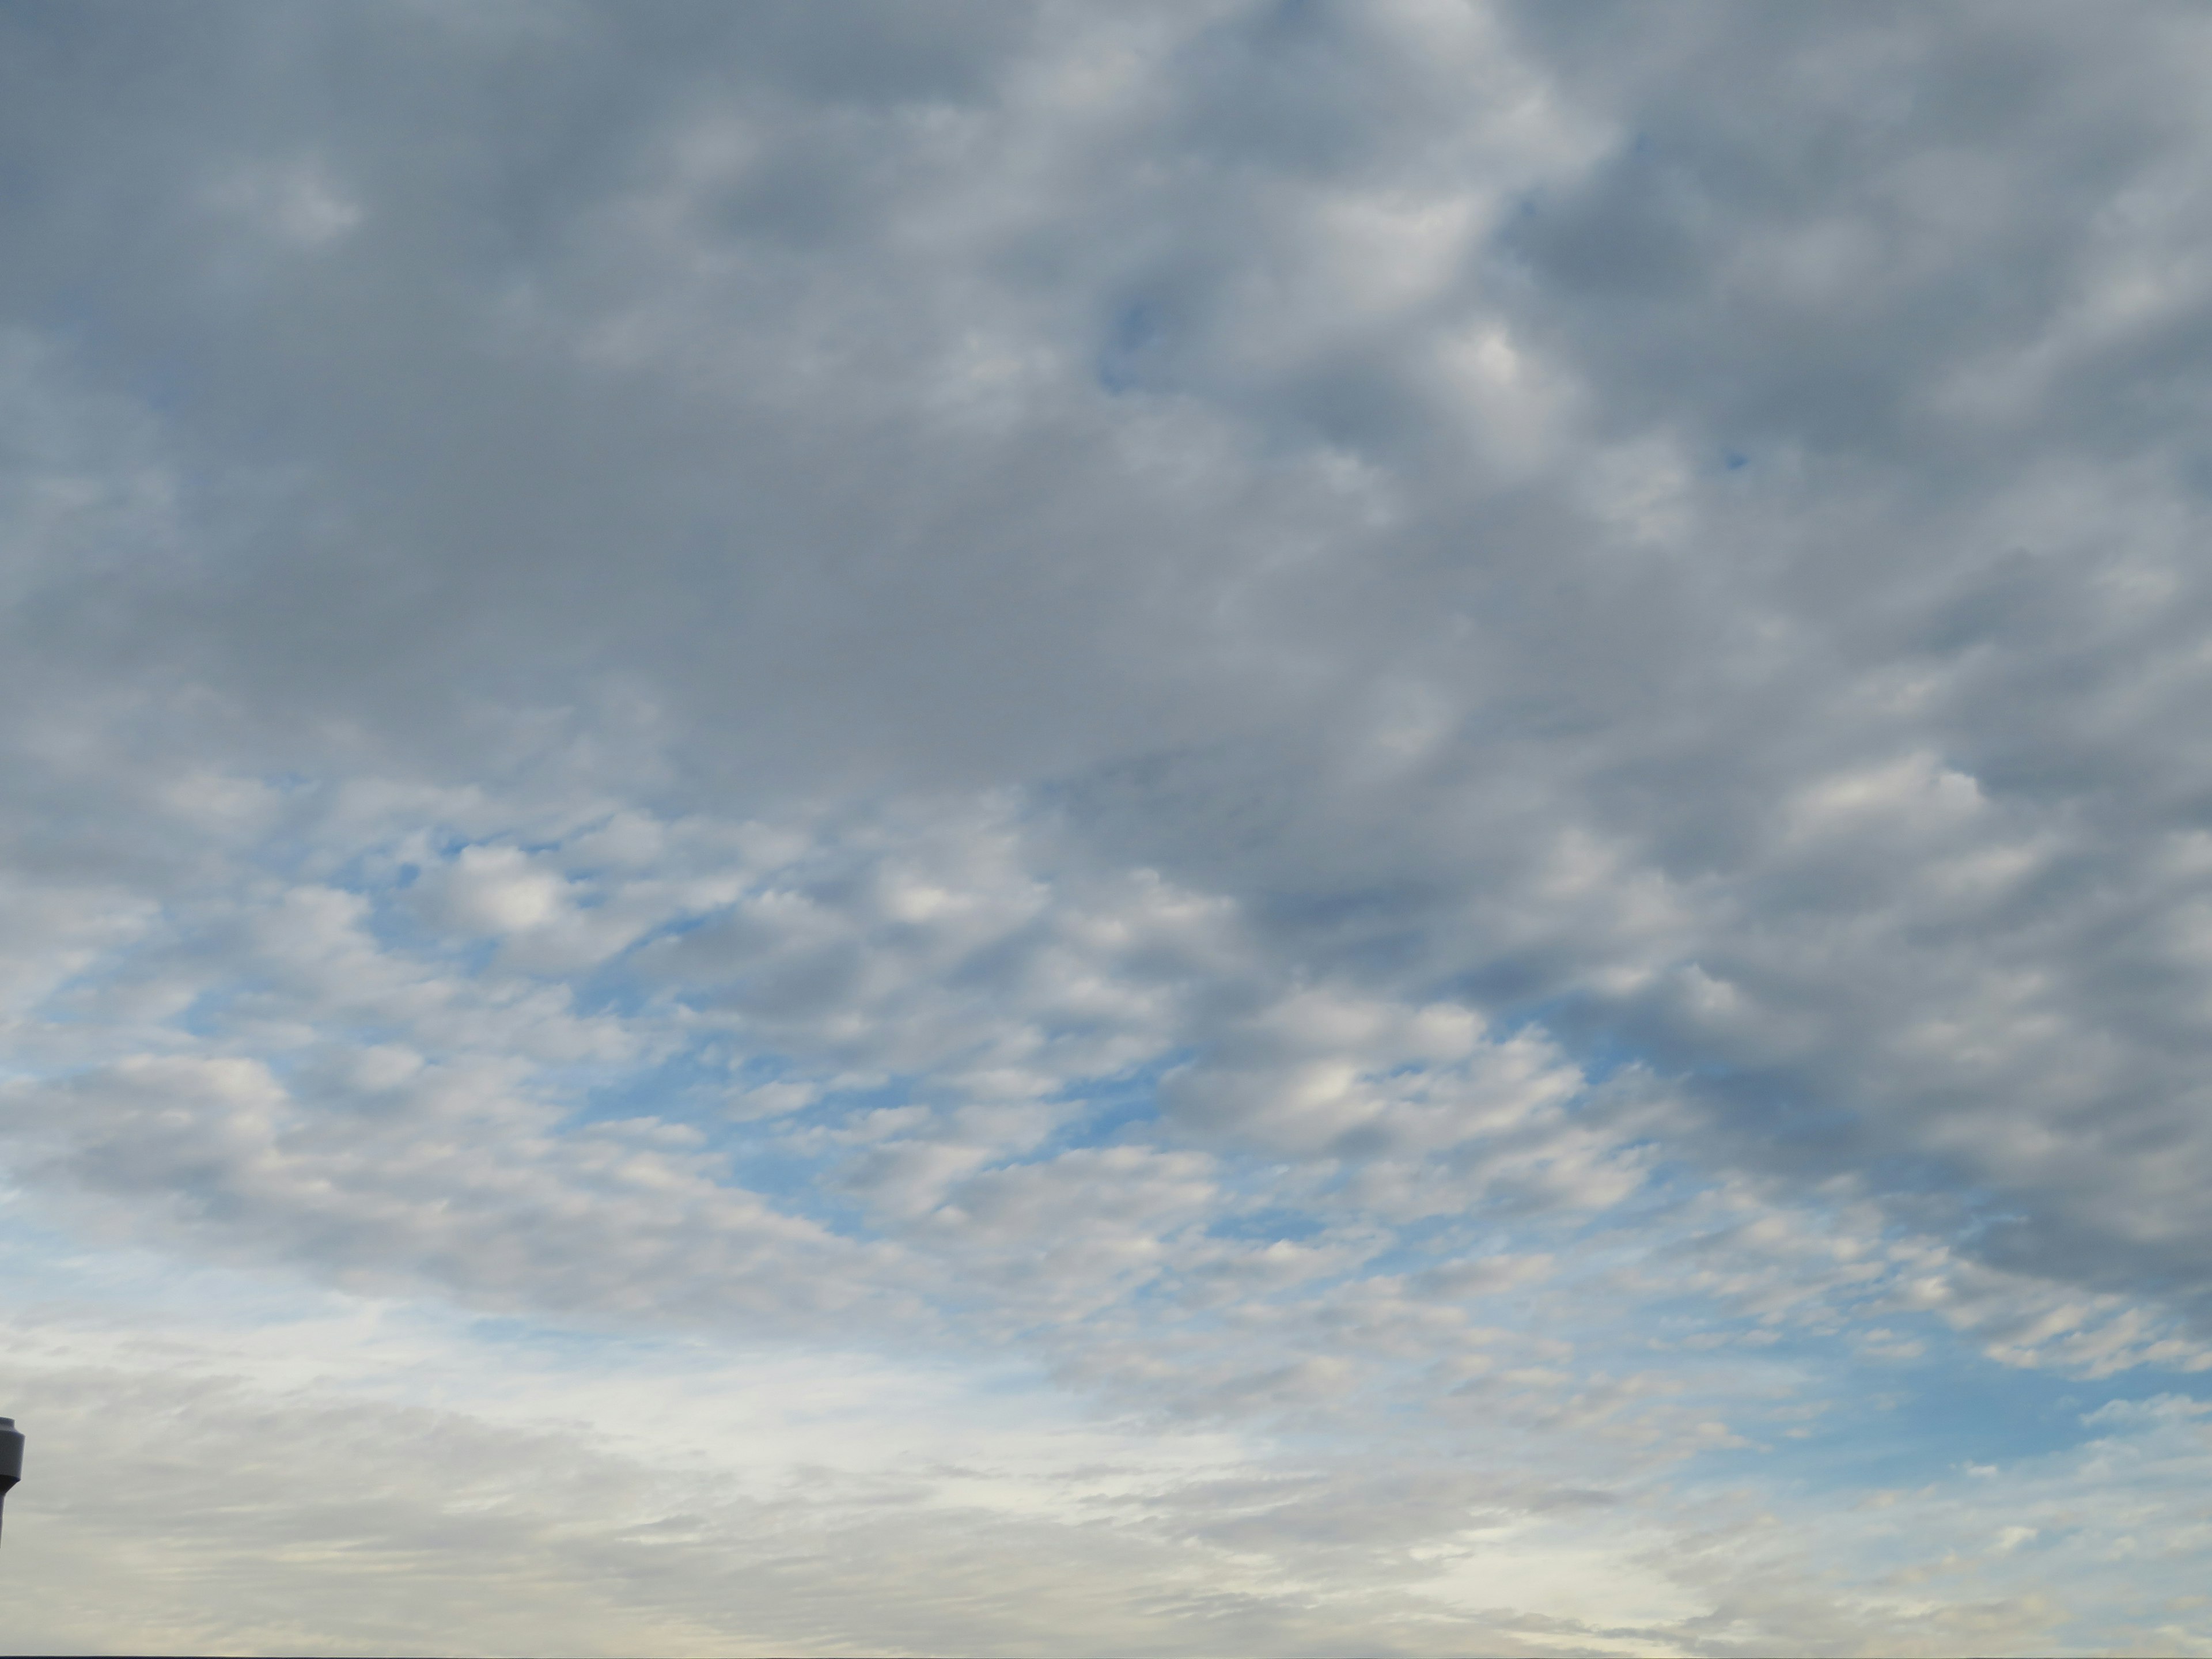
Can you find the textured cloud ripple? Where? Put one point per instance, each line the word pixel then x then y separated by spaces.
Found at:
pixel 1219 828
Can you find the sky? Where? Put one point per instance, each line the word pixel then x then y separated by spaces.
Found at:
pixel 1335 827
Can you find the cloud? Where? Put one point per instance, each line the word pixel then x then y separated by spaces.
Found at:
pixel 520 1487
pixel 1466 740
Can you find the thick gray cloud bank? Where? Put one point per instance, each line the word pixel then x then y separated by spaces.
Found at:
pixel 1220 827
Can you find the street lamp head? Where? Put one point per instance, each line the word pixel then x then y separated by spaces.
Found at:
pixel 11 1455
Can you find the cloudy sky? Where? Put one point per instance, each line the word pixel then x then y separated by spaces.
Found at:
pixel 1174 828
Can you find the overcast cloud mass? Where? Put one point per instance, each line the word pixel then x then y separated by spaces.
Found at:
pixel 1175 829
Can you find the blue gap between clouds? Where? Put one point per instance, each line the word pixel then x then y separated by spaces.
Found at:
pixel 1906 1422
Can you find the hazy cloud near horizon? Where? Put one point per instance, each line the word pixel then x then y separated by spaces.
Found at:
pixel 1264 828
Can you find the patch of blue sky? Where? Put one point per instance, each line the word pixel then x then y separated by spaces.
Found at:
pixel 1435 1242
pixel 1268 1223
pixel 786 1160
pixel 1902 1420
pixel 695 1085
pixel 689 1085
pixel 1113 1108
pixel 800 1181
pixel 778 1156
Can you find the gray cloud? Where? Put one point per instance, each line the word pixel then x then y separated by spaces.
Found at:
pixel 1496 615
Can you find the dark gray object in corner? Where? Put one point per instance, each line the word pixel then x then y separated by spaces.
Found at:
pixel 11 1456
